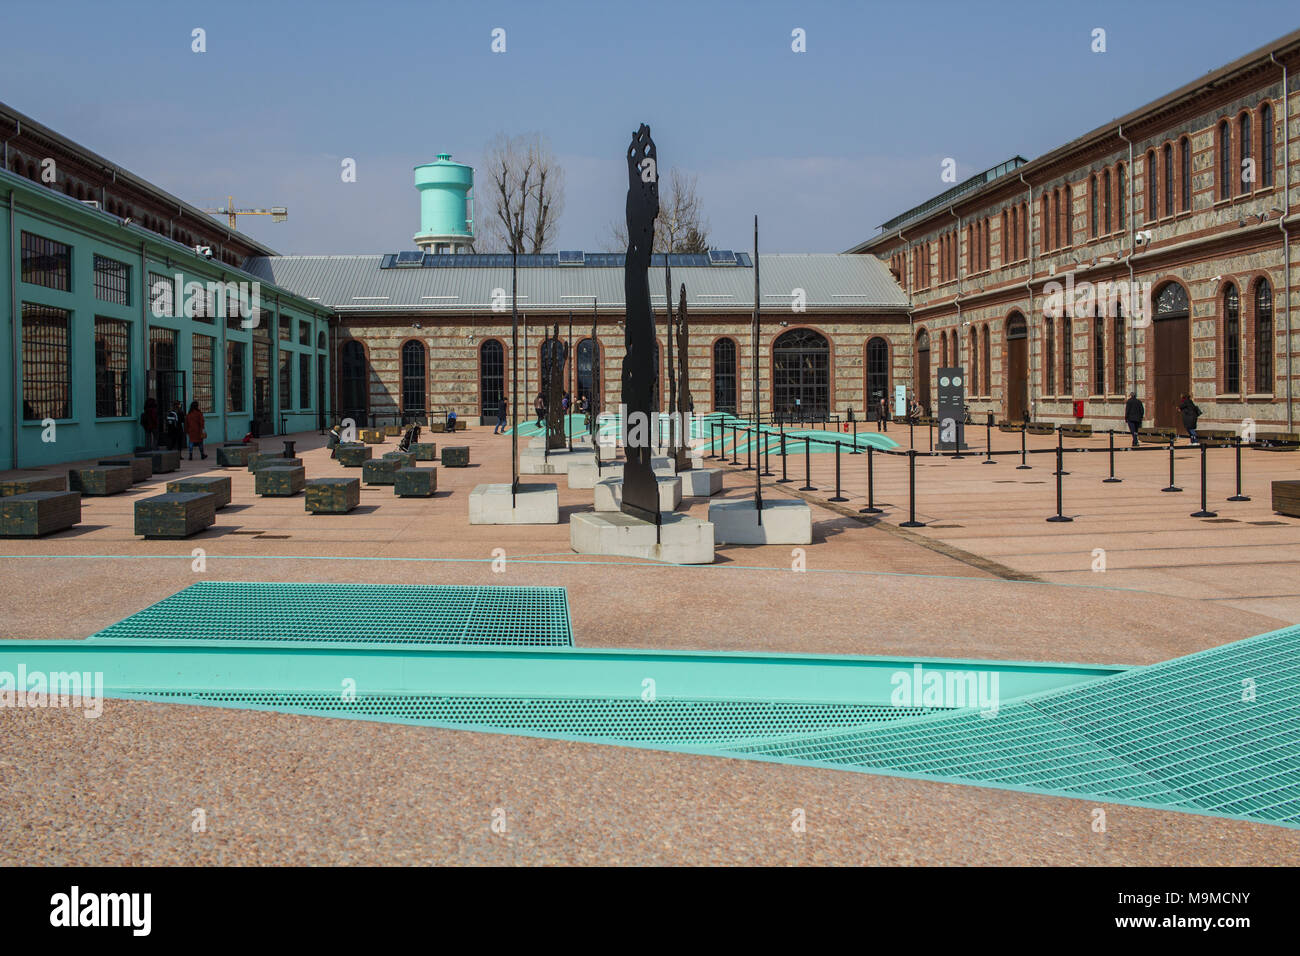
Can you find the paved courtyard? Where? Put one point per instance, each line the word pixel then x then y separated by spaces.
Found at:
pixel 987 577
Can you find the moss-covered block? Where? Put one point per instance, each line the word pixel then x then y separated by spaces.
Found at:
pixel 141 468
pixel 403 459
pixel 372 436
pixel 415 482
pixel 280 481
pixel 216 485
pixel 34 513
pixel 24 484
pixel 175 514
pixel 109 480
pixel 333 496
pixel 424 450
pixel 354 455
pixel 455 456
pixel 271 460
pixel 379 471
pixel 392 431
pixel 235 456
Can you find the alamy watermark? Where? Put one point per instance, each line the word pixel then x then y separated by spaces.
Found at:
pixel 40 689
pixel 242 300
pixel 1082 299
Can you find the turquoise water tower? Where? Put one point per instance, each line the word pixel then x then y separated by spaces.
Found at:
pixel 446 214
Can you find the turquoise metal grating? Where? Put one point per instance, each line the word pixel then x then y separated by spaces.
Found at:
pixel 356 614
pixel 1214 732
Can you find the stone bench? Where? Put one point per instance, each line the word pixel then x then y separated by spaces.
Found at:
pixel 31 514
pixel 177 514
pixel 254 444
pixel 455 456
pixel 1279 441
pixel 235 456
pixel 333 496
pixel 1216 437
pixel 403 459
pixel 392 431
pixel 354 455
pixel 1011 426
pixel 141 468
pixel 109 480
pixel 1156 436
pixel 25 484
pixel 1286 498
pixel 1076 431
pixel 216 485
pixel 379 471
pixel 163 461
pixel 281 481
pixel 424 450
pixel 1040 428
pixel 372 436
pixel 415 482
pixel 271 460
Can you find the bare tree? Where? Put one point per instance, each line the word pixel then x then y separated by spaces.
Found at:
pixel 681 226
pixel 524 195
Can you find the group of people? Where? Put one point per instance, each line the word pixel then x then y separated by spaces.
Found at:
pixel 175 428
pixel 539 407
pixel 1135 411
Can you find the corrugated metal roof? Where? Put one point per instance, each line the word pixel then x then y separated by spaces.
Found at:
pixel 830 282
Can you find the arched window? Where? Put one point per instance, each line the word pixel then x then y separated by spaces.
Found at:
pixel 492 378
pixel 1185 162
pixel 801 375
pixel 1264 344
pixel 1246 161
pixel 1067 213
pixel 414 384
pixel 1056 219
pixel 1153 188
pixel 1121 350
pixel 921 371
pixel 1169 179
pixel 1011 238
pixel 1231 341
pixel 1121 195
pixel 973 376
pixel 1024 230
pixel 1067 355
pixel 724 376
pixel 1045 223
pixel 1225 160
pixel 587 370
pixel 1049 356
pixel 354 383
pixel 943 351
pixel 1105 202
pixel 1266 146
pixel 877 374
pixel 987 365
pixel 1099 353
pixel 1093 219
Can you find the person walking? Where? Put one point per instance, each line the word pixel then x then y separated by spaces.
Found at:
pixel 194 429
pixel 149 422
pixel 539 406
pixel 172 428
pixel 1134 412
pixel 1191 412
pixel 882 419
pixel 501 417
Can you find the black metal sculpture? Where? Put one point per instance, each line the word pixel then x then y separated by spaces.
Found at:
pixel 553 356
pixel 640 489
pixel 593 400
pixel 685 402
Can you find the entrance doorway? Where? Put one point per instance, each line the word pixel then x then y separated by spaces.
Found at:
pixel 1172 372
pixel 1017 366
pixel 921 372
pixel 877 377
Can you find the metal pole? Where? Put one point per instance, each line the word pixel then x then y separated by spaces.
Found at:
pixel 1059 458
pixel 758 482
pixel 988 441
pixel 568 355
pixel 784 479
pixel 1203 513
pixel 749 448
pixel 871 508
pixel 712 439
pixel 930 428
pixel 838 496
pixel 1172 486
pixel 855 439
pixel 1023 466
pixel 767 462
pixel 514 378
pixel 1059 472
pixel 807 466
pixel 911 521
pixel 1112 479
pixel 734 442
pixel 1238 496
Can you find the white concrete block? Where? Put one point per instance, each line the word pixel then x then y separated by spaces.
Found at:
pixel 700 482
pixel 785 521
pixel 535 461
pixel 680 539
pixel 534 504
pixel 609 493
pixel 582 474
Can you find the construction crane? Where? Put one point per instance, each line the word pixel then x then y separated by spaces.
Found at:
pixel 277 213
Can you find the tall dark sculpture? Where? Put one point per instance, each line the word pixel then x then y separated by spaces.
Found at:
pixel 593 400
pixel 685 402
pixel 553 387
pixel 673 440
pixel 640 490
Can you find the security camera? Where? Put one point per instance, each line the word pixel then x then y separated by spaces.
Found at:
pixel 1215 278
pixel 205 251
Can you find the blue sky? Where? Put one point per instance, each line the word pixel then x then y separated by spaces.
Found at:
pixel 823 145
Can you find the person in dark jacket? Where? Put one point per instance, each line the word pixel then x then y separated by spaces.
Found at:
pixel 196 431
pixel 1190 415
pixel 882 420
pixel 149 422
pixel 539 406
pixel 501 417
pixel 1134 412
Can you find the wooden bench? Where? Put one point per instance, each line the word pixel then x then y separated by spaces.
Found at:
pixel 403 459
pixel 216 485
pixel 271 460
pixel 379 471
pixel 392 431
pixel 424 450
pixel 354 455
pixel 177 514
pixel 1156 436
pixel 333 496
pixel 455 456
pixel 1216 437
pixel 235 456
pixel 415 482
pixel 1076 431
pixel 163 461
pixel 109 480
pixel 1279 441
pixel 31 514
pixel 1286 498
pixel 141 468
pixel 25 484
pixel 372 436
pixel 1011 426
pixel 280 481
pixel 1040 428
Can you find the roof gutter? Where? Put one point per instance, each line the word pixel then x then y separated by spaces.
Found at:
pixel 1286 241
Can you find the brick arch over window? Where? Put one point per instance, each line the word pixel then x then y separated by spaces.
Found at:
pixel 801 366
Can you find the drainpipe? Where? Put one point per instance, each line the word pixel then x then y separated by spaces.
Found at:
pixel 911 321
pixel 143 395
pixel 1029 276
pixel 1286 239
pixel 13 333
pixel 1128 259
pixel 957 301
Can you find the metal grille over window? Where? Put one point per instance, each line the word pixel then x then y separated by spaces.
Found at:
pixel 46 262
pixel 47 363
pixel 112 281
pixel 112 368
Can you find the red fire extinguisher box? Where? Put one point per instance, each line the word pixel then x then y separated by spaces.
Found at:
pixel 1078 408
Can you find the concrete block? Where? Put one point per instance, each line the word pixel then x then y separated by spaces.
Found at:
pixel 609 493
pixel 175 514
pixel 25 484
pixel 680 539
pixel 700 482
pixel 455 456
pixel 534 461
pixel 333 496
pixel 35 513
pixel 354 455
pixel 424 450
pixel 109 480
pixel 141 468
pixel 281 482
pixel 534 504
pixel 216 485
pixel 582 474
pixel 163 461
pixel 380 471
pixel 785 521
pixel 415 482
pixel 236 456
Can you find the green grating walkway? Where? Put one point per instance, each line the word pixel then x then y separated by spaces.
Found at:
pixel 354 613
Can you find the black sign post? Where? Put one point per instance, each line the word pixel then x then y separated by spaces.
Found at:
pixel 952 404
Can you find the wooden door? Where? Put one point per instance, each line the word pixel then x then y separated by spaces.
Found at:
pixel 1173 369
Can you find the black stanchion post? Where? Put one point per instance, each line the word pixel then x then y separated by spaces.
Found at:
pixel 911 439
pixel 930 427
pixel 711 440
pixel 767 461
pixel 1112 479
pixel 988 442
pixel 1060 458
pixel 871 508
pixel 734 460
pixel 1023 466
pixel 838 495
pixel 1238 496
pixel 807 466
pixel 785 478
pixel 1059 473
pixel 1172 486
pixel 1203 513
pixel 749 449
pixel 855 439
pixel 911 521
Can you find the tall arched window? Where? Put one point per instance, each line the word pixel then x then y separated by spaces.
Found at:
pixel 354 383
pixel 1266 146
pixel 1121 351
pixel 724 376
pixel 1049 356
pixel 588 366
pixel 1056 219
pixel 987 385
pixel 413 381
pixel 943 351
pixel 1231 341
pixel 973 373
pixel 1045 223
pixel 1264 344
pixel 1067 212
pixel 877 374
pixel 1093 219
pixel 801 363
pixel 1067 355
pixel 1011 237
pixel 1225 160
pixel 1105 202
pixel 1099 353
pixel 492 378
pixel 1024 230
pixel 1153 188
pixel 1185 177
pixel 1121 195
pixel 1169 179
pixel 1246 161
